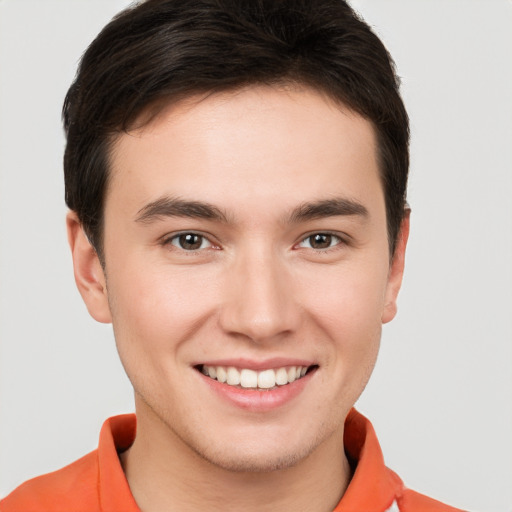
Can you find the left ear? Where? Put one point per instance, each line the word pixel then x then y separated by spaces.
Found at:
pixel 396 270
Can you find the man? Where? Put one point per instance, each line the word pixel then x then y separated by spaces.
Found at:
pixel 236 176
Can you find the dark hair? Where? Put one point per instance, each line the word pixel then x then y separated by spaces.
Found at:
pixel 161 51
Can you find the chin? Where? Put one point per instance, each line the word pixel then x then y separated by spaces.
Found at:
pixel 260 450
pixel 250 462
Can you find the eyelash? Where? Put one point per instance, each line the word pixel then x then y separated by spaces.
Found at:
pixel 340 241
pixel 168 240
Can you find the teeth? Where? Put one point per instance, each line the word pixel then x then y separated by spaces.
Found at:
pixel 222 374
pixel 281 376
pixel 265 379
pixel 248 379
pixel 233 376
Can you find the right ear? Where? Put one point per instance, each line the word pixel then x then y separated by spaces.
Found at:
pixel 89 274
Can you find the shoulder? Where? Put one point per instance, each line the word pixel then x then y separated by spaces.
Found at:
pixel 73 487
pixel 77 487
pixel 408 500
pixel 412 501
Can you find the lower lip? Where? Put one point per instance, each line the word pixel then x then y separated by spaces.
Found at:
pixel 258 401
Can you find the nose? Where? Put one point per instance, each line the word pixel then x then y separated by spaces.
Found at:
pixel 259 302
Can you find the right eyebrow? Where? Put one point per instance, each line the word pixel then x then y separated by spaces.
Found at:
pixel 176 207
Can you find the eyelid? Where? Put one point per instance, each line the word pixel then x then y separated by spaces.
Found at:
pixel 343 239
pixel 169 237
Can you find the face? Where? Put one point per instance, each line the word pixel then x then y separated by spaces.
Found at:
pixel 247 272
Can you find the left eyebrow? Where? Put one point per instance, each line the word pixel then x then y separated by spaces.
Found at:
pixel 327 208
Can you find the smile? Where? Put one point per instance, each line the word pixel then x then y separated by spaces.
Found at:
pixel 263 380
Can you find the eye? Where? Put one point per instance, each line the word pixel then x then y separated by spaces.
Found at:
pixel 320 241
pixel 189 241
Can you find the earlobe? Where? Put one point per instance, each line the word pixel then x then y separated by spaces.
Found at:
pixel 396 271
pixel 89 274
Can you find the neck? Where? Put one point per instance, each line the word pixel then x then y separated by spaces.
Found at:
pixel 166 474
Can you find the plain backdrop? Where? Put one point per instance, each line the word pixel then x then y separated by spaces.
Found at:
pixel 441 395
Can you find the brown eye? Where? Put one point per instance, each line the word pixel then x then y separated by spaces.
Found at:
pixel 320 241
pixel 190 241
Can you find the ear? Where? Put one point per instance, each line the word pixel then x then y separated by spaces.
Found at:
pixel 396 271
pixel 89 274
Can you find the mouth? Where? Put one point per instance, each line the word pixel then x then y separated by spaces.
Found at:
pixel 263 380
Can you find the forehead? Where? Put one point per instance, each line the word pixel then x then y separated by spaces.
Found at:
pixel 238 148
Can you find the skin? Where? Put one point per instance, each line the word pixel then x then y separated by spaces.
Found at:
pixel 257 288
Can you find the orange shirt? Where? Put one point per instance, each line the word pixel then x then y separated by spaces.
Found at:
pixel 96 482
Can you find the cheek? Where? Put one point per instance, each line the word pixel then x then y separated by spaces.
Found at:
pixel 348 309
pixel 154 312
pixel 347 299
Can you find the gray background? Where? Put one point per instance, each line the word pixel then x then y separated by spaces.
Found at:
pixel 441 395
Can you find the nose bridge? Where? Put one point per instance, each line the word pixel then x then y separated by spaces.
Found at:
pixel 259 301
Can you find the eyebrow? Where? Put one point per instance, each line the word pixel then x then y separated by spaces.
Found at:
pixel 175 207
pixel 327 208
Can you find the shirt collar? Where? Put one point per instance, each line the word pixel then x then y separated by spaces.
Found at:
pixel 117 435
pixel 373 487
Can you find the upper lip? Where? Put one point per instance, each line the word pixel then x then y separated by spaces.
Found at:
pixel 251 364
